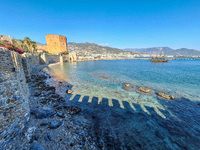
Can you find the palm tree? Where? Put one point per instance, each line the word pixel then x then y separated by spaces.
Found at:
pixel 30 44
pixel 33 45
pixel 27 41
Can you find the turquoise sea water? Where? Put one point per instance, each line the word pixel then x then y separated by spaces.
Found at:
pixel 179 78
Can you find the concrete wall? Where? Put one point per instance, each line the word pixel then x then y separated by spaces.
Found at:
pixel 14 95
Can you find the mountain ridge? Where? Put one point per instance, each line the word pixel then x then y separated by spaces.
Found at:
pixel 167 50
pixel 92 48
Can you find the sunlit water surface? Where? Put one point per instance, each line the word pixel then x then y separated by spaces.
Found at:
pixel 179 78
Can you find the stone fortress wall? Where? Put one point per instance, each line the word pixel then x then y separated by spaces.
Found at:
pixel 56 43
pixel 42 47
pixel 6 38
pixel 14 95
pixel 15 73
pixel 71 57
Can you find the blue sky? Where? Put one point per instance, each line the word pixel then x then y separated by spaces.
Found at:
pixel 121 24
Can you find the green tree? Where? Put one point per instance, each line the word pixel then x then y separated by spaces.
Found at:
pixel 30 44
pixel 33 46
pixel 27 41
pixel 23 46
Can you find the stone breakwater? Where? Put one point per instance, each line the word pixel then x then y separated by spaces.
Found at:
pixel 15 74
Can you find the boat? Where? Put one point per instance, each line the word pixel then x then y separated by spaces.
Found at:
pixel 159 58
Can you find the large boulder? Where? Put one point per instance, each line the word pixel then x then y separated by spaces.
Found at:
pixel 73 110
pixel 144 90
pixel 54 124
pixel 166 96
pixel 43 112
pixel 48 88
pixel 61 114
pixel 36 146
pixel 69 92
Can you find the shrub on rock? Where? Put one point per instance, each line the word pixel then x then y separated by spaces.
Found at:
pixel 11 47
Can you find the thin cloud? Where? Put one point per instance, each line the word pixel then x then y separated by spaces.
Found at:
pixel 104 44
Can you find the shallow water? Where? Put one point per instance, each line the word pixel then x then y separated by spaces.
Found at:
pixel 178 77
pixel 129 119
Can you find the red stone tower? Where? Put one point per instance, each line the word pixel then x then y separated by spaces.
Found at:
pixel 56 43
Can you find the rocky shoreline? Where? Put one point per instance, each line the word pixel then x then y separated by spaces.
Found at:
pixel 62 122
pixel 53 122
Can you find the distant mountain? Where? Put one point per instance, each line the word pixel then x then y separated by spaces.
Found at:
pixel 187 52
pixel 91 48
pixel 169 51
pixel 149 50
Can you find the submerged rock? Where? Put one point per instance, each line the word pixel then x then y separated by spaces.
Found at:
pixel 69 91
pixel 54 124
pixel 104 77
pixel 126 88
pixel 43 112
pixel 36 146
pixel 127 85
pixel 166 96
pixel 144 90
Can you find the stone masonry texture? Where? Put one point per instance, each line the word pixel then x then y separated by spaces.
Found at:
pixel 14 95
pixel 15 73
pixel 56 43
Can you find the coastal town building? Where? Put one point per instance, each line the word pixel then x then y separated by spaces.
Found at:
pixel 56 44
